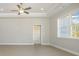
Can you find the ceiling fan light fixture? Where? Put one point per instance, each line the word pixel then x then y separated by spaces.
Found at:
pixel 21 11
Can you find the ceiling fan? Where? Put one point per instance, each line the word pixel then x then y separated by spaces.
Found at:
pixel 21 9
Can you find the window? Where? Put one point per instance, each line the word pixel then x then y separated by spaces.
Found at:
pixel 75 27
pixel 68 27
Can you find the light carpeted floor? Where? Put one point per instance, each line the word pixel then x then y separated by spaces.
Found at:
pixel 29 50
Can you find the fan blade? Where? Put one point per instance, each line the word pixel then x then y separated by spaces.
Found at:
pixel 18 13
pixel 18 6
pixel 26 12
pixel 27 8
pixel 21 3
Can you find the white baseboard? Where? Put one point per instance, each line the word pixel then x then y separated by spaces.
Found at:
pixel 75 53
pixel 22 44
pixel 45 44
pixel 16 43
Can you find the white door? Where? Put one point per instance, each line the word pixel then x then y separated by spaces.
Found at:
pixel 37 34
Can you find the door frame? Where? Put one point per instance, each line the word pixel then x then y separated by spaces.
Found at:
pixel 40 34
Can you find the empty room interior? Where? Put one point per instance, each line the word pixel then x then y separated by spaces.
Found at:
pixel 39 29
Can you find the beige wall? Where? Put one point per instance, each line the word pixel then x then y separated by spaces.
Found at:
pixel 66 43
pixel 19 30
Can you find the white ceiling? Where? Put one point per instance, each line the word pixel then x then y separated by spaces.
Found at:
pixel 48 7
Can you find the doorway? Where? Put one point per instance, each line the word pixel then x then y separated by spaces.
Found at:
pixel 37 34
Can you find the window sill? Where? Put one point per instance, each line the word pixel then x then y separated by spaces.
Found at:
pixel 66 38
